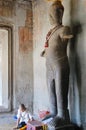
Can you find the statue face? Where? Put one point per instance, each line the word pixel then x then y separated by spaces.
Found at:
pixel 52 21
pixel 52 17
pixel 56 14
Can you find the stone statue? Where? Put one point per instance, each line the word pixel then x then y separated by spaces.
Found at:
pixel 57 65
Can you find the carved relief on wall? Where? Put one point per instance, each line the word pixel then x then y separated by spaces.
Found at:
pixel 25 39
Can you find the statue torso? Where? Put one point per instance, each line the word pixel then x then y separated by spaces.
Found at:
pixel 57 46
pixel 56 52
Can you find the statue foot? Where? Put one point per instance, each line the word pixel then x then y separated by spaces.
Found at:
pixel 57 122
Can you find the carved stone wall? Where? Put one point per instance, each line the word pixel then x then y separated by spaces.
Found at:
pixel 7 8
pixel 16 13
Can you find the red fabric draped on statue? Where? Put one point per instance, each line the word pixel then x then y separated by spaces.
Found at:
pixel 47 38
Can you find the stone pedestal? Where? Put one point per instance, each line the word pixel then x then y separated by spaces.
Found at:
pixel 65 127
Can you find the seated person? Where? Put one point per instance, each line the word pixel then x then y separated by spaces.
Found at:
pixel 23 117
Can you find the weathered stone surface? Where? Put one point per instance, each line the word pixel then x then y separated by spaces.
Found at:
pixel 29 16
pixel 25 36
pixel 22 63
pixel 7 8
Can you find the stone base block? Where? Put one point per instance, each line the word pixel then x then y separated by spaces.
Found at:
pixel 65 127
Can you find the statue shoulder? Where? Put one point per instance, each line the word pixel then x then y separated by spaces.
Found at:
pixel 66 29
pixel 66 32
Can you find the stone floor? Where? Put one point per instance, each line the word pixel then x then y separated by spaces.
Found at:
pixel 7 121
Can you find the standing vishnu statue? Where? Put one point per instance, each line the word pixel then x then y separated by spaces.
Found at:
pixel 57 65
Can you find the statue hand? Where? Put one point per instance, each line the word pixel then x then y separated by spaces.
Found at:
pixel 42 53
pixel 67 36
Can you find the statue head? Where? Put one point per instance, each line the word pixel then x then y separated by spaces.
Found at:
pixel 56 13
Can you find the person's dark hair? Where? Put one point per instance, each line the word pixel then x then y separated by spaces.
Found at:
pixel 23 106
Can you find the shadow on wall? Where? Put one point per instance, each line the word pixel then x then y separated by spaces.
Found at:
pixel 75 76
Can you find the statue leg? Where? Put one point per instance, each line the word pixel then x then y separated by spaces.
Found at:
pixel 62 85
pixel 52 100
pixel 52 97
pixel 52 93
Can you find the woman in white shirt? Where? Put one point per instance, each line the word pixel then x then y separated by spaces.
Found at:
pixel 23 116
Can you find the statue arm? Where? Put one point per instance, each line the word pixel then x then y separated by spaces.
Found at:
pixel 66 33
pixel 43 53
